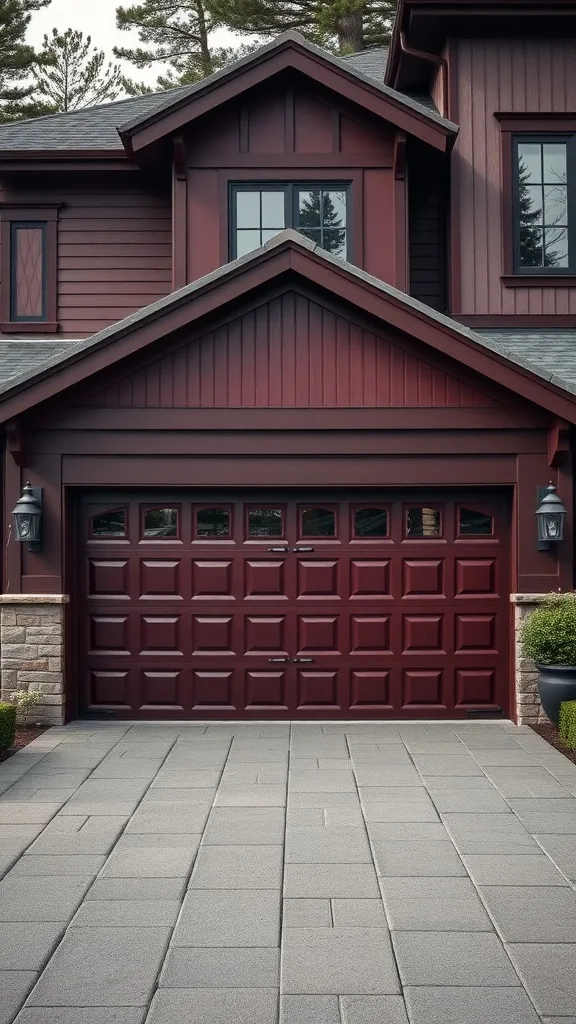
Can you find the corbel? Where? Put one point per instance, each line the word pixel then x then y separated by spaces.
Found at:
pixel 558 442
pixel 180 158
pixel 16 443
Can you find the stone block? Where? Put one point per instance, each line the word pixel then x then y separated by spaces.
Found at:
pixel 27 949
pixel 225 968
pixel 547 971
pixel 341 961
pixel 214 1006
pixel 238 867
pixel 453 958
pixel 469 1005
pixel 532 913
pixel 229 918
pixel 14 986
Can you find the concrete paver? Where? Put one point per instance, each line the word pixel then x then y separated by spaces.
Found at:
pixel 160 873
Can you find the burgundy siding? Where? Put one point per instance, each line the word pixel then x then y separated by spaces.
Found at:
pixel 291 352
pixel 499 75
pixel 114 249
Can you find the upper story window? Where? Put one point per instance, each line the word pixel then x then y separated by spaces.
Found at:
pixel 544 205
pixel 318 210
pixel 28 285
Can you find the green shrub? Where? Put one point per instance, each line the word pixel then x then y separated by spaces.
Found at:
pixel 7 725
pixel 548 635
pixel 567 724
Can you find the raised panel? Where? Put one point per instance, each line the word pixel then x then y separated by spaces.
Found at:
pixel 370 689
pixel 475 687
pixel 212 634
pixel 475 577
pixel 159 634
pixel 160 578
pixel 422 577
pixel 213 690
pixel 318 578
pixel 423 687
pixel 317 689
pixel 212 580
pixel 265 634
pixel 370 634
pixel 369 578
pixel 109 634
pixel 265 690
pixel 264 579
pixel 107 578
pixel 108 688
pixel 160 689
pixel 318 633
pixel 422 634
pixel 475 633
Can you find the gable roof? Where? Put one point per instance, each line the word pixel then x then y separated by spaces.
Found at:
pixel 99 128
pixel 288 252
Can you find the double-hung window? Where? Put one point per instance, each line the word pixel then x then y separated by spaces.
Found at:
pixel 317 210
pixel 544 204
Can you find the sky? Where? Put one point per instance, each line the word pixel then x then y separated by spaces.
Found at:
pixel 97 18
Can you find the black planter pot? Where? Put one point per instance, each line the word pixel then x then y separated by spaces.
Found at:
pixel 556 683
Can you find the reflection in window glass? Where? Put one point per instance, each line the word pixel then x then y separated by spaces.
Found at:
pixel 321 216
pixel 474 524
pixel 161 522
pixel 542 204
pixel 213 522
pixel 259 216
pixel 318 522
pixel 423 522
pixel 109 524
pixel 370 522
pixel 265 522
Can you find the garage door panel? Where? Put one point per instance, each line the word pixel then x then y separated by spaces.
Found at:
pixel 398 609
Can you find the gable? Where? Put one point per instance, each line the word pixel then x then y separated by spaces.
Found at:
pixel 293 352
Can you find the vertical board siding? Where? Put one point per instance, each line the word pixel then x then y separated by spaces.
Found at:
pixel 114 251
pixel 508 76
pixel 290 352
pixel 426 232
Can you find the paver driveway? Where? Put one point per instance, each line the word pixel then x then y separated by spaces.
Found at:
pixel 419 872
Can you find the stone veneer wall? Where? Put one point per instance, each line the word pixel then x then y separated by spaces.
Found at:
pixel 528 707
pixel 32 650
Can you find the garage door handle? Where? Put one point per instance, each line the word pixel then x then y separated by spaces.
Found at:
pixel 279 549
pixel 300 661
pixel 302 549
pixel 279 661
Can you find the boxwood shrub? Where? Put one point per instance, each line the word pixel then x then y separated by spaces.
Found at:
pixel 567 724
pixel 7 725
pixel 548 635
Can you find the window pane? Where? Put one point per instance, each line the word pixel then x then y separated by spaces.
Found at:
pixel 531 246
pixel 248 209
pixel 474 524
pixel 247 241
pixel 314 234
pixel 423 522
pixel 27 272
pixel 309 209
pixel 556 204
pixel 555 163
pixel 335 207
pixel 109 524
pixel 272 210
pixel 265 522
pixel 370 522
pixel 531 198
pixel 318 522
pixel 213 522
pixel 530 162
pixel 556 247
pixel 334 241
pixel 161 522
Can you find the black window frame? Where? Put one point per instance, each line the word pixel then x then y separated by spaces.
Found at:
pixel 291 190
pixel 569 139
pixel 15 227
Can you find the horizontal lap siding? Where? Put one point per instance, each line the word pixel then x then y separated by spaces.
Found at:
pixel 507 76
pixel 114 256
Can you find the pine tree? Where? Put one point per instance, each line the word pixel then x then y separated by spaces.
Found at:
pixel 17 60
pixel 176 33
pixel 531 231
pixel 74 74
pixel 315 212
pixel 344 26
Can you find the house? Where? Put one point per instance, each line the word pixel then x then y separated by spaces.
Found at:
pixel 291 355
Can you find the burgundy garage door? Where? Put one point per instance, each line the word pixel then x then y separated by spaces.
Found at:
pixel 295 605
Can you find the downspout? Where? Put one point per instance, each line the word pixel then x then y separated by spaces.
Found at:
pixel 432 58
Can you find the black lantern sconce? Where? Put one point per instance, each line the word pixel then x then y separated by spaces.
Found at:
pixel 550 518
pixel 27 517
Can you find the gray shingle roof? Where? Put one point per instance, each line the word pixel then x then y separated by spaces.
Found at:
pixel 550 355
pixel 18 358
pixel 98 127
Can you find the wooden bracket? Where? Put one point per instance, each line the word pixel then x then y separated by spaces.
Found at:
pixel 558 442
pixel 16 443
pixel 400 156
pixel 180 158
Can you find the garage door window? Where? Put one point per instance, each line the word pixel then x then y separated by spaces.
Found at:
pixel 318 522
pixel 161 522
pixel 422 521
pixel 370 522
pixel 213 522
pixel 473 523
pixel 265 522
pixel 111 523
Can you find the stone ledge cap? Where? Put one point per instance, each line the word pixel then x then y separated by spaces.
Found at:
pixel 34 598
pixel 534 598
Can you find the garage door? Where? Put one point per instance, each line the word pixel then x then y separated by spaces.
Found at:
pixel 294 605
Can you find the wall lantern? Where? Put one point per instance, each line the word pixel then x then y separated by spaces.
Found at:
pixel 27 517
pixel 550 518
